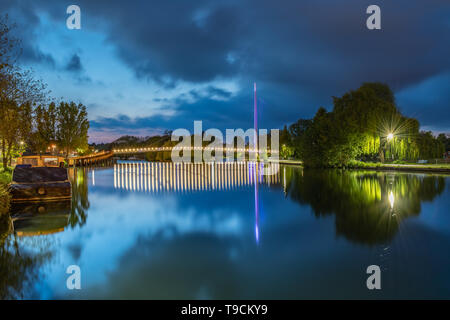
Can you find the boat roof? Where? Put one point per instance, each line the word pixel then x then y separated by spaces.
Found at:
pixel 39 174
pixel 45 155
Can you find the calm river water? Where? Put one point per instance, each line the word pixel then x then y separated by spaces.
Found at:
pixel 165 231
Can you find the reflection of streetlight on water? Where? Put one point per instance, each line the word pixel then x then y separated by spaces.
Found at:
pixel 391 199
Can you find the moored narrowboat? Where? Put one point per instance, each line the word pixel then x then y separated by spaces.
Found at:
pixel 40 184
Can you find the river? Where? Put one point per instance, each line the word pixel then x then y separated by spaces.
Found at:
pixel 142 230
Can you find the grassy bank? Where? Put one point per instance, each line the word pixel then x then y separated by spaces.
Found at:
pixel 412 167
pixel 415 167
pixel 5 178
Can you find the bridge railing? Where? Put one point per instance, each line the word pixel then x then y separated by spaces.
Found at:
pixel 159 149
pixel 90 158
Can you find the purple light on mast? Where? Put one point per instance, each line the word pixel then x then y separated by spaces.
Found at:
pixel 255 118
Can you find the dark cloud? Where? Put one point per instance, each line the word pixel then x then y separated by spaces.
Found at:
pixel 213 113
pixel 429 101
pixel 299 52
pixel 295 43
pixel 74 64
pixel 213 91
pixel 35 55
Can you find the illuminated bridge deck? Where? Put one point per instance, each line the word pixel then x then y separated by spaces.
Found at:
pixel 167 149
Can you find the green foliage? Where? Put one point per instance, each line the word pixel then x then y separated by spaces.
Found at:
pixel 297 133
pixel 19 93
pixel 72 127
pixel 5 175
pixel 16 126
pixel 399 162
pixel 358 128
pixel 355 164
pixel 4 199
pixel 285 137
pixel 286 151
pixel 5 178
pixel 429 146
pixel 445 140
pixel 45 124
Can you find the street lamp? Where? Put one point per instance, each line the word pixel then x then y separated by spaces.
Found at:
pixel 383 144
pixel 390 136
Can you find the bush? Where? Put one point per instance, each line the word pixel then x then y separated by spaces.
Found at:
pixel 399 162
pixel 5 178
pixel 4 199
pixel 354 164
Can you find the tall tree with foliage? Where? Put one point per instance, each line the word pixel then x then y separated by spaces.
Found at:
pixel 45 123
pixel 15 129
pixel 72 127
pixel 359 127
pixel 430 147
pixel 19 91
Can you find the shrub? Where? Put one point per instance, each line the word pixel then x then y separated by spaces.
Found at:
pixel 4 199
pixel 5 178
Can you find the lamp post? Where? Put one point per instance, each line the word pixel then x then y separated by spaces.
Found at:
pixel 389 138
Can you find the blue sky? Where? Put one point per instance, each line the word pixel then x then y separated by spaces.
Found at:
pixel 145 66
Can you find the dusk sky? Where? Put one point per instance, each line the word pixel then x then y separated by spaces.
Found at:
pixel 142 67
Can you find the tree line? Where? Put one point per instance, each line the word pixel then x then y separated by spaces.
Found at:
pixel 366 125
pixel 29 119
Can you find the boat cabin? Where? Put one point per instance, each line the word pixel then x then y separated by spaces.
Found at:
pixel 40 161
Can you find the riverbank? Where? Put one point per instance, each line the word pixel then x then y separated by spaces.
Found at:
pixel 5 178
pixel 424 168
pixel 288 162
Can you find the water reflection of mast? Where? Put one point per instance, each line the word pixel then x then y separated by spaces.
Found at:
pixel 255 176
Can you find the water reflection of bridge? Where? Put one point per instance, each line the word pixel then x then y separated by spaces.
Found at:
pixel 184 177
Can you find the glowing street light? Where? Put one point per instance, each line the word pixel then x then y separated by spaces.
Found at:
pixel 390 136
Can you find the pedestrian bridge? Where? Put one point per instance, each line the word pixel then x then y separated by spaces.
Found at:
pixel 106 157
pixel 166 149
pixel 99 158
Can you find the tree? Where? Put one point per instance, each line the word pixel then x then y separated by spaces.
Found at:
pixel 357 128
pixel 429 146
pixel 444 139
pixel 19 91
pixel 72 127
pixel 16 126
pixel 297 131
pixel 45 127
